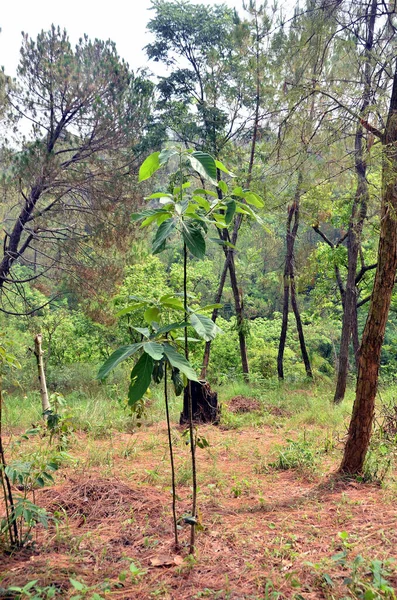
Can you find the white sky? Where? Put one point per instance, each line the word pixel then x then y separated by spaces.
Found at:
pixel 123 21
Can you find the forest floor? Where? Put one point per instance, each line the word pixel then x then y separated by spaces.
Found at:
pixel 274 520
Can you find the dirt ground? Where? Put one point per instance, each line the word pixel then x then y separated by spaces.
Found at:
pixel 263 533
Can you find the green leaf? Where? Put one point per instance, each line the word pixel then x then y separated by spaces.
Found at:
pixel 223 186
pixel 194 239
pixel 230 210
pixel 222 168
pixel 77 585
pixel 166 154
pixel 163 233
pixel 238 191
pixel 116 358
pixel 254 200
pixel 171 302
pixel 204 326
pixel 178 361
pixel 202 202
pixel 171 327
pixel 211 307
pixel 177 381
pixel 154 349
pixel 204 164
pixel 141 376
pixel 143 331
pixel 129 309
pixel 149 166
pixel 208 192
pixel 159 217
pixel 159 195
pixel 151 314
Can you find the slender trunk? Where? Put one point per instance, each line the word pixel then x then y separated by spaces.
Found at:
pixel 167 412
pixel 284 327
pixel 299 326
pixel 190 411
pixel 360 428
pixel 358 216
pixel 289 283
pixel 45 403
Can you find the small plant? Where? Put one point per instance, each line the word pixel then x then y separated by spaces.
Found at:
pixel 298 454
pixel 379 459
pixel 59 420
pixel 33 591
pixel 365 579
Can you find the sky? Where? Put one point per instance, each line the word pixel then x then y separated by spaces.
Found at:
pixel 123 21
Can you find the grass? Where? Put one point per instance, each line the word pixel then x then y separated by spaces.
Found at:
pixel 267 505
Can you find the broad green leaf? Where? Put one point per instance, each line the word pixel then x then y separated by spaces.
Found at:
pixel 151 314
pixel 177 381
pixel 154 349
pixel 178 361
pixel 254 200
pixel 159 217
pixel 170 302
pixel 144 213
pixel 116 358
pixel 163 232
pixel 208 192
pixel 166 154
pixel 141 376
pixel 230 210
pixel 129 309
pixel 194 239
pixel 149 166
pixel 159 195
pixel 202 202
pixel 204 164
pixel 171 327
pixel 222 168
pixel 204 326
pixel 211 307
pixel 238 191
pixel 223 186
pixel 77 585
pixel 143 331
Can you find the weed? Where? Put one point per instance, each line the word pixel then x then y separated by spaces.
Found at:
pixel 298 454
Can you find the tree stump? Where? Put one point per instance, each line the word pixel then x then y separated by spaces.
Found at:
pixel 204 404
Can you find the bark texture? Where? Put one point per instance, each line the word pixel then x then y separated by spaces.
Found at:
pixel 358 216
pixel 361 423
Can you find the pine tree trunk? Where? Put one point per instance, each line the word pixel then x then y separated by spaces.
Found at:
pixel 360 428
pixel 358 216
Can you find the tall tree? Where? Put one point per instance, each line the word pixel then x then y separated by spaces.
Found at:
pixel 206 101
pixel 361 423
pixel 86 111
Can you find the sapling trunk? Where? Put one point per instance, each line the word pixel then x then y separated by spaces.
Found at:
pixel 167 412
pixel 190 410
pixel 45 403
